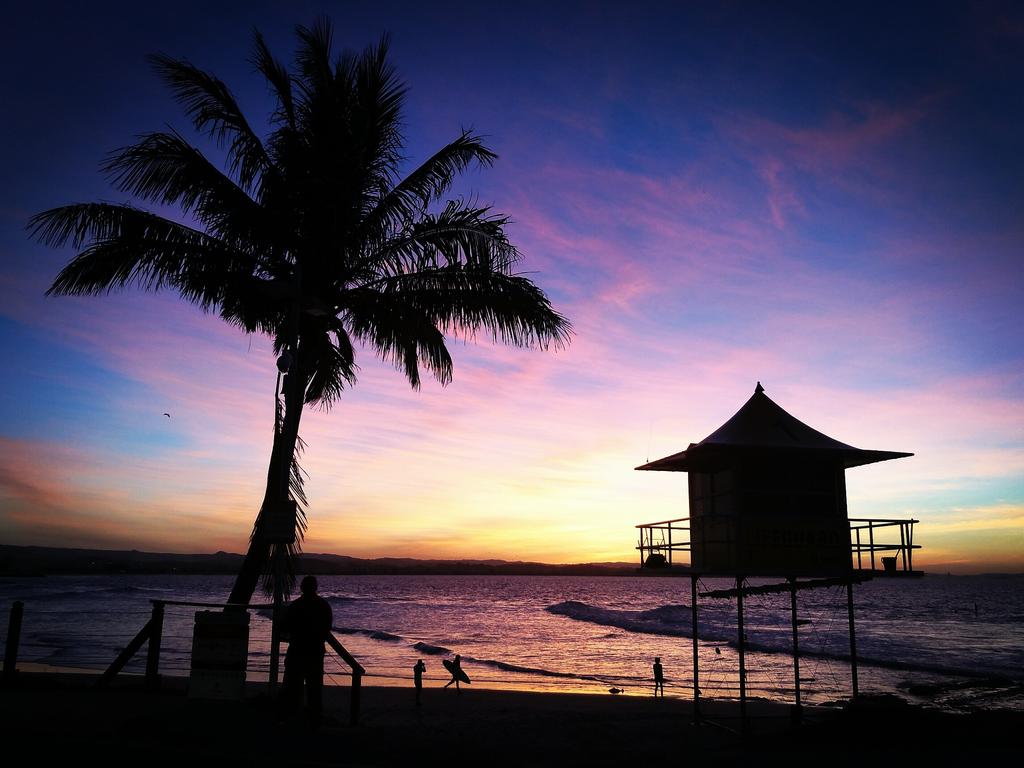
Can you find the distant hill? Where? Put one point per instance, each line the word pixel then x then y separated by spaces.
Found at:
pixel 40 561
pixel 53 560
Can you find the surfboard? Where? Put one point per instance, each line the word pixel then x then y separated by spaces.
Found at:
pixel 457 671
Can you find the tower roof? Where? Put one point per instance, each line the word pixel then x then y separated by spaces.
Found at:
pixel 762 426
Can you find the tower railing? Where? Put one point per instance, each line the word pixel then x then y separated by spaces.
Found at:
pixel 871 548
pixel 862 528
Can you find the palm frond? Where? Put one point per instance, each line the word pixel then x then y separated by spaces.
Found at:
pixel 313 58
pixel 332 358
pixel 214 111
pixel 375 115
pixel 278 77
pixel 459 235
pixel 463 301
pixel 399 332
pixel 297 487
pixel 129 246
pixel 254 304
pixel 410 198
pixel 164 168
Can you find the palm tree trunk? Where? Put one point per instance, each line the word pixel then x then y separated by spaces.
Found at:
pixel 258 554
pixel 257 557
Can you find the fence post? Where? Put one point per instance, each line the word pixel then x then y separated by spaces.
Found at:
pixel 156 624
pixel 903 546
pixel 357 679
pixel 696 663
pixel 741 647
pixel 797 712
pixel 13 638
pixel 910 545
pixel 853 638
pixel 871 543
pixel 357 674
pixel 275 642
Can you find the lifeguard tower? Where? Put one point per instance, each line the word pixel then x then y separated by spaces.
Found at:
pixel 767 498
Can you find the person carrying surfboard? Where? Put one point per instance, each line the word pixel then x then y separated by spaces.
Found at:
pixel 455 667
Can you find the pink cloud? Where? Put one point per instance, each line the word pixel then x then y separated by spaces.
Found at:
pixel 782 197
pixel 844 140
pixel 848 146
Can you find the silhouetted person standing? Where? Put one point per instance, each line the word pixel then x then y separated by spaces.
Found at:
pixel 659 677
pixel 307 622
pixel 417 675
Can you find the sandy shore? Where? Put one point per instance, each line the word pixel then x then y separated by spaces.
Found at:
pixel 61 717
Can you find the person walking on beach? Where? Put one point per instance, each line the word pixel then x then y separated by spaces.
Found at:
pixel 417 676
pixel 659 677
pixel 455 667
pixel 307 623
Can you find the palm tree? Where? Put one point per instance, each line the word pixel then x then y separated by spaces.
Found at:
pixel 311 235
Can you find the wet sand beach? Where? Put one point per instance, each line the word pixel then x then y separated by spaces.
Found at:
pixel 49 717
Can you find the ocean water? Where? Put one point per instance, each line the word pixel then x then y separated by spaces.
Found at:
pixel 945 641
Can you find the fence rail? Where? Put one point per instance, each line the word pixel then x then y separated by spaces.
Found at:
pixel 152 636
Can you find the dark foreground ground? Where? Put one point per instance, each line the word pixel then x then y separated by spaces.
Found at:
pixel 50 718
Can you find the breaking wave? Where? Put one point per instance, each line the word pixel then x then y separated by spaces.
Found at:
pixel 718 625
pixel 670 620
pixel 431 650
pixel 374 634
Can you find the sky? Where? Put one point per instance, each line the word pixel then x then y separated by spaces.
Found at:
pixel 826 198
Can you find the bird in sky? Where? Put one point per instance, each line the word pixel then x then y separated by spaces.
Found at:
pixel 167 415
